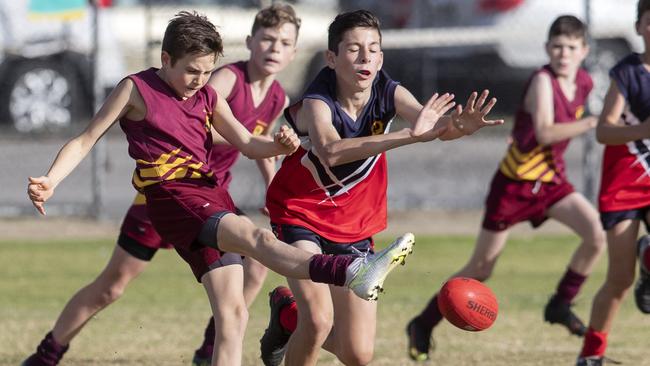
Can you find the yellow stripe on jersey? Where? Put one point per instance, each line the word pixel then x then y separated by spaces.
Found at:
pixel 139 199
pixel 531 166
pixel 168 166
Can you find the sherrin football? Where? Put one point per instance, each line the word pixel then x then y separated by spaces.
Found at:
pixel 468 304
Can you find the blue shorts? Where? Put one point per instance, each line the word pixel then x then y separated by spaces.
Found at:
pixel 611 218
pixel 292 233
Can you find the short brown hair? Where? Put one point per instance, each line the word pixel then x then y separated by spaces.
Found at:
pixel 642 7
pixel 346 21
pixel 568 25
pixel 274 16
pixel 191 33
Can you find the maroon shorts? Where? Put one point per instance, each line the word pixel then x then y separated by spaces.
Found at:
pixel 178 209
pixel 137 226
pixel 510 201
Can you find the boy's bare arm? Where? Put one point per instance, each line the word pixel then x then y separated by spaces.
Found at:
pixel 40 189
pixel 284 142
pixel 611 130
pixel 461 122
pixel 316 117
pixel 223 81
pixel 539 103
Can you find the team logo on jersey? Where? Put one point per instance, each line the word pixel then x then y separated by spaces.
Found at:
pixel 580 111
pixel 377 127
pixel 208 120
pixel 260 127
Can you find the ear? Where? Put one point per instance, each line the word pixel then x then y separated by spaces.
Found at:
pixel 248 42
pixel 381 60
pixel 330 59
pixel 165 59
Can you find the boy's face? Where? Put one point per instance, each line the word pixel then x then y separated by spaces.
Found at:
pixel 189 74
pixel 359 58
pixel 272 49
pixel 566 54
pixel 643 28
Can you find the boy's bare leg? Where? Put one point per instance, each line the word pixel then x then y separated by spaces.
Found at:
pixel 314 318
pixel 580 216
pixel 237 235
pixel 352 338
pixel 620 274
pixel 224 287
pixel 103 291
pixel 487 249
pixel 254 276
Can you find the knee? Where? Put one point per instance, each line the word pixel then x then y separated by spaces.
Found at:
pixel 233 322
pixel 596 240
pixel 357 356
pixel 263 237
pixel 316 326
pixel 110 294
pixel 619 285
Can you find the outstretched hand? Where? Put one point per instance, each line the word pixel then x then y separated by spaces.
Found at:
pixel 40 190
pixel 426 127
pixel 288 139
pixel 472 118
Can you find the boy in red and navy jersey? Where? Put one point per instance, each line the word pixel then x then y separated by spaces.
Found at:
pixel 169 116
pixel 138 240
pixel 330 196
pixel 624 198
pixel 531 183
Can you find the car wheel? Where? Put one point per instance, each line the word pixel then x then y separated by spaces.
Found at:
pixel 41 96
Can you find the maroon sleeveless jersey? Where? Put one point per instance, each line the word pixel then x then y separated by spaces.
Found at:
pixel 173 139
pixel 255 119
pixel 526 159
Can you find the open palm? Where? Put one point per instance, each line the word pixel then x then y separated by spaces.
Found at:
pixel 426 127
pixel 472 118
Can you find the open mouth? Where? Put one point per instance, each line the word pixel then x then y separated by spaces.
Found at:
pixel 363 72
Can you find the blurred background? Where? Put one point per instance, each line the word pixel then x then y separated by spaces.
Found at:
pixel 59 58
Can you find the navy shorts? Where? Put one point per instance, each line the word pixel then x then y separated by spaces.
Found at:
pixel 292 233
pixel 611 218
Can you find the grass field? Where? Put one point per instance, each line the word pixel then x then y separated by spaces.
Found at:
pixel 161 318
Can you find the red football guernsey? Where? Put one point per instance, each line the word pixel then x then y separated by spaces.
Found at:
pixel 344 203
pixel 526 159
pixel 625 180
pixel 255 119
pixel 173 139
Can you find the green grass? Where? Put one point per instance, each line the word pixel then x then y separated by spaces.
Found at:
pixel 161 318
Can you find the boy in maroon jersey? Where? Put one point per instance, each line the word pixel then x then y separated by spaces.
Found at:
pixel 330 196
pixel 624 198
pixel 274 32
pixel 531 183
pixel 169 116
pixel 256 100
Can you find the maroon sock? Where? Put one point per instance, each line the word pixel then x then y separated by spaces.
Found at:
pixel 289 317
pixel 48 353
pixel 205 351
pixel 569 286
pixel 431 315
pixel 594 344
pixel 329 269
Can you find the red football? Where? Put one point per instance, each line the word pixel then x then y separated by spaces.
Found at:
pixel 468 304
